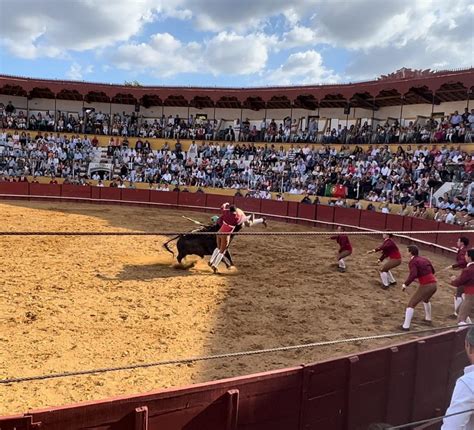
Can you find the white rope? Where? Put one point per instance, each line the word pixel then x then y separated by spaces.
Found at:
pixel 227 355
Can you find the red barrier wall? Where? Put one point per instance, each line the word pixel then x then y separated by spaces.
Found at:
pixel 325 213
pixel 373 220
pixel 217 200
pixel 418 224
pixel 192 199
pixel 292 210
pixel 45 190
pixel 19 188
pixel 164 197
pixel 397 385
pixel 82 192
pixel 273 207
pixel 110 194
pixel 394 222
pixel 307 211
pixel 248 204
pixel 135 195
pixel 347 216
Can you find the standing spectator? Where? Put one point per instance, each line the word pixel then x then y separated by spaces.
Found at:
pixel 9 108
pixel 463 394
pixel 456 119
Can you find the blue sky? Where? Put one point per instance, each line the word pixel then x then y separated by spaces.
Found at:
pixel 228 43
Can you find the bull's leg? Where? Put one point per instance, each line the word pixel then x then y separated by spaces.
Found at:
pixel 180 257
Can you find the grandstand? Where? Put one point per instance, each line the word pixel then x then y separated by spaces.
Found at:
pixel 84 159
pixel 257 139
pixel 405 106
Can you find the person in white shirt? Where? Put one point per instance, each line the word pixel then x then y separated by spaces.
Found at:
pixel 463 394
pixel 450 218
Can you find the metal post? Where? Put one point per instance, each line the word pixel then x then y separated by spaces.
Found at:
pixel 27 111
pixel 110 118
pixel 401 109
pixel 468 98
pixel 317 124
pixel 241 113
pixel 346 134
pixel 55 127
pixel 291 118
pixel 83 116
pixel 432 104
pixel 266 125
pixel 373 113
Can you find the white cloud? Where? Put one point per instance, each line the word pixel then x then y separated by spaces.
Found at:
pixel 32 28
pixel 162 56
pixel 76 72
pixel 241 16
pixel 302 68
pixel 439 38
pixel 298 36
pixel 380 36
pixel 230 53
pixel 226 53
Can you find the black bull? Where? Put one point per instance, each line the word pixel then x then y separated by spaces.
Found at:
pixel 200 244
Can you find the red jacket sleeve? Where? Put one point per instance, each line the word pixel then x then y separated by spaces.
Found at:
pixel 384 248
pixel 462 279
pixel 413 272
pixel 460 260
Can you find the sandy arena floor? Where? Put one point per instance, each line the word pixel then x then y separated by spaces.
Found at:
pixel 69 303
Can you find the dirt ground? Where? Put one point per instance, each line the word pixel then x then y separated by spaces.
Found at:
pixel 70 303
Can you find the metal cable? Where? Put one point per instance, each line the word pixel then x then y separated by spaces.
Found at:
pixel 223 355
pixel 429 420
pixel 207 233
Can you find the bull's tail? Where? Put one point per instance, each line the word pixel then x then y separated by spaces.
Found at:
pixel 165 245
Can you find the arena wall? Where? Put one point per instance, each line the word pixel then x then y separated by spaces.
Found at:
pixel 301 213
pixel 406 382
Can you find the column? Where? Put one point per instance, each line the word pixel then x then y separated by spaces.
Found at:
pixel 55 127
pixel 402 98
pixel 110 117
pixel 291 117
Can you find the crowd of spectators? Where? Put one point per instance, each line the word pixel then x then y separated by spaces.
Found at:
pixel 25 154
pixel 380 175
pixel 454 128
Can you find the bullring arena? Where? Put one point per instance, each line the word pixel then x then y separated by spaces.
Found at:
pixel 92 302
pixel 101 329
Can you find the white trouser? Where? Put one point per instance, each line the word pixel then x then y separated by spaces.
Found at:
pixel 250 220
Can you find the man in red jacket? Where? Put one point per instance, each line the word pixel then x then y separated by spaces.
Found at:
pixel 390 257
pixel 421 269
pixel 461 250
pixel 466 281
pixel 345 247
